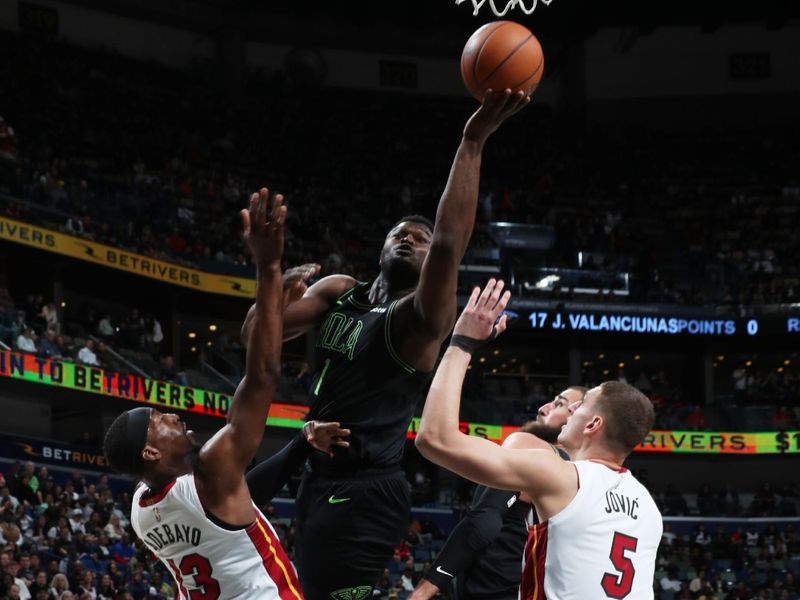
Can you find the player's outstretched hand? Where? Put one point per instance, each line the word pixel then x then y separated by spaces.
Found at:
pixel 479 318
pixel 263 227
pixel 496 108
pixel 324 436
pixel 295 282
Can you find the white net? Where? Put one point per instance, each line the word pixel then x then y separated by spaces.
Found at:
pixel 510 4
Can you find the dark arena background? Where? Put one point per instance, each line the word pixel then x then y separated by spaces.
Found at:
pixel 644 210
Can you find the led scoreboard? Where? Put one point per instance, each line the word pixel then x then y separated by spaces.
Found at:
pixel 661 324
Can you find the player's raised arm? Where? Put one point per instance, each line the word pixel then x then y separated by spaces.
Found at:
pixel 223 459
pixel 538 472
pixel 304 305
pixel 433 309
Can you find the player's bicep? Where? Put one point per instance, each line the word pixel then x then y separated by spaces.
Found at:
pixel 487 463
pixel 304 314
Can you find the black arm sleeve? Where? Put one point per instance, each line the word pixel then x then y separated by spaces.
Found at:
pixel 471 536
pixel 269 476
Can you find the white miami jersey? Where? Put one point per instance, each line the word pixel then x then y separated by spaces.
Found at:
pixel 208 560
pixel 601 545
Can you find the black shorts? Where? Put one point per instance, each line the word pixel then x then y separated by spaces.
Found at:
pixel 347 531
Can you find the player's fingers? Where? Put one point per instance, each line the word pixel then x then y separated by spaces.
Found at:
pixel 342 443
pixel 513 101
pixel 495 297
pixel 501 324
pixel 277 205
pixel 522 104
pixel 280 217
pixel 502 302
pixel 253 206
pixel 473 297
pixel 486 293
pixel 245 220
pixel 263 204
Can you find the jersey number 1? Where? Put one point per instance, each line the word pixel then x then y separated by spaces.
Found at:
pixel 618 585
pixel 199 568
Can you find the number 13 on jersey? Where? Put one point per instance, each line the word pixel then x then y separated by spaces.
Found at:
pixel 618 585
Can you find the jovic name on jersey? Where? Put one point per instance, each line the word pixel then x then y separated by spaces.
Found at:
pixel 601 545
pixel 208 558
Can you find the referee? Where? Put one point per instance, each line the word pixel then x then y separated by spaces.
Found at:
pixel 484 552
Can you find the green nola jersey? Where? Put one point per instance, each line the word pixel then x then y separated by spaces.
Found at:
pixel 362 383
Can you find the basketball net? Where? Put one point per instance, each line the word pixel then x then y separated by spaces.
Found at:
pixel 476 5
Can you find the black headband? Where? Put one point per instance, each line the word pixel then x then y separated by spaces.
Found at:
pixel 129 452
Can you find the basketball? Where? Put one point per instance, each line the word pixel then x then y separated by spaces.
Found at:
pixel 502 55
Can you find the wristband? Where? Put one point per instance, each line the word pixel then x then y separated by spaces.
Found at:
pixel 469 344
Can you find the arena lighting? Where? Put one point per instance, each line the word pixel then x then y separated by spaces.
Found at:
pixel 63 304
pixel 496 352
pixel 194 348
pixel 546 282
pixel 192 335
pixel 212 327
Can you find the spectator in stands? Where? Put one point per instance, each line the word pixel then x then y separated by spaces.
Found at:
pixel 104 358
pixel 50 315
pixel 6 320
pixel 48 346
pixel 696 420
pixel 86 585
pixel 86 354
pixel 105 328
pixel 26 341
pixel 123 550
pixel 169 372
pixel 58 585
pixel 14 593
pixel 39 584
pixel 113 530
pixel 64 349
pixel 670 584
pixel 26 573
pixel 153 335
pixel 74 226
pixel 8 146
pixel 106 589
pixel 76 521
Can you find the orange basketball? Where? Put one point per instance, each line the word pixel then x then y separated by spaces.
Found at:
pixel 502 55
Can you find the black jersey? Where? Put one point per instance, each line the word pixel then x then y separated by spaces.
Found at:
pixel 362 383
pixel 484 551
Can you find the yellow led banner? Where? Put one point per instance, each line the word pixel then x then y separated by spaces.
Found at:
pixel 719 442
pixel 161 394
pixel 171 396
pixel 116 258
